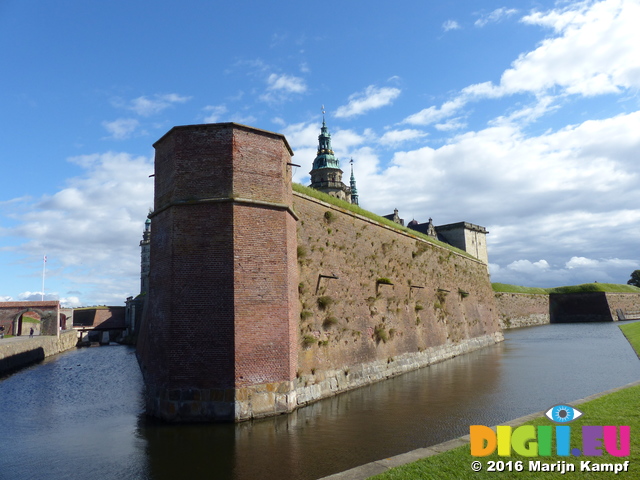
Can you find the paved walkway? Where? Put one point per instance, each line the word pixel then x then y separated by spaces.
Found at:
pixel 7 344
pixel 380 466
pixel 17 352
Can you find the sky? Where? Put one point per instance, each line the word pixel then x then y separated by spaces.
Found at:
pixel 521 116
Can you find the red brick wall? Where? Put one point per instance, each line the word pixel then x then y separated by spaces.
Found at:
pixel 48 311
pixel 223 268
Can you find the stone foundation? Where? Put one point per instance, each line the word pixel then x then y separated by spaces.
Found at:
pixel 257 401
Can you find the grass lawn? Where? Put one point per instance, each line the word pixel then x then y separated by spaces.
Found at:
pixel 632 332
pixel 618 408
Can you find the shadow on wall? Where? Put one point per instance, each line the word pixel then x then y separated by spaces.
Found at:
pixel 579 307
pixel 20 360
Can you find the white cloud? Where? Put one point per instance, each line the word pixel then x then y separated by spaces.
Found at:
pixel 282 87
pixel 287 83
pixel 559 192
pixel 595 50
pixel 147 106
pixel 215 112
pixel 450 125
pixel 394 137
pixel 67 302
pixel 525 266
pixel 90 230
pixel 121 128
pixel 370 99
pixel 496 16
pixel 433 114
pixel 450 25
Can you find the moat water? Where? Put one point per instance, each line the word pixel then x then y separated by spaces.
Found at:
pixel 79 415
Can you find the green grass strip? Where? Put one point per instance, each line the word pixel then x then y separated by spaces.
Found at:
pixel 584 288
pixel 312 192
pixel 632 332
pixel 506 288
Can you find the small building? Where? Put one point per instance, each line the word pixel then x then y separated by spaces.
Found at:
pixel 463 235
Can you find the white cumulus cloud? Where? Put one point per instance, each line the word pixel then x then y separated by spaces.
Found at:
pixel 91 228
pixel 370 99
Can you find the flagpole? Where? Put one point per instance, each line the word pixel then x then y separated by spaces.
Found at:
pixel 44 267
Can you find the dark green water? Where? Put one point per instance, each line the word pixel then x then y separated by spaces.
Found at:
pixel 79 415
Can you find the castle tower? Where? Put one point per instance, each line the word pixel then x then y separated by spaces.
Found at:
pixel 218 340
pixel 145 248
pixel 326 175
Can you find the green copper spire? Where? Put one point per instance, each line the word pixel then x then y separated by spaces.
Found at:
pixel 325 157
pixel 354 190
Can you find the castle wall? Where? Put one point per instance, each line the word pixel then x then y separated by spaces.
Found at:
pixel 354 330
pixel 49 312
pixel 522 310
pixel 579 307
pixel 239 324
pixel 17 355
pixel 217 340
pixel 627 302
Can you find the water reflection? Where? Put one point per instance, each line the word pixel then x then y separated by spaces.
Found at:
pixel 80 414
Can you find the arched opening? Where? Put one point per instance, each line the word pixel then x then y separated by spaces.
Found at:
pixel 29 319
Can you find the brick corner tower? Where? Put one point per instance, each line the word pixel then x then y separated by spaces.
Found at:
pixel 218 341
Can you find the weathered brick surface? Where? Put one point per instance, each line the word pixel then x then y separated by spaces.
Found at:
pixel 522 310
pixel 453 304
pixel 100 317
pixel 627 302
pixel 49 312
pixel 223 278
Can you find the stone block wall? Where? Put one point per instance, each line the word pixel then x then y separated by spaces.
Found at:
pixel 522 310
pixel 627 302
pixel 355 330
pixel 16 355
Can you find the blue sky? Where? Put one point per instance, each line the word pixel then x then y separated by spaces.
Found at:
pixel 523 117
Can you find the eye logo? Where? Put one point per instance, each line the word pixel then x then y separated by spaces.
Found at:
pixel 563 414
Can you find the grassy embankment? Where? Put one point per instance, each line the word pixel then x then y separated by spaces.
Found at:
pixel 618 408
pixel 312 192
pixel 584 288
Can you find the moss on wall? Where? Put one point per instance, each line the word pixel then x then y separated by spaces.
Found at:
pixel 369 291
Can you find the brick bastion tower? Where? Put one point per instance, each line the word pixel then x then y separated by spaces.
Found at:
pixel 218 340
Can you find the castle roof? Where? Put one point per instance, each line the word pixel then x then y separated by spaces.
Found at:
pixel 325 157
